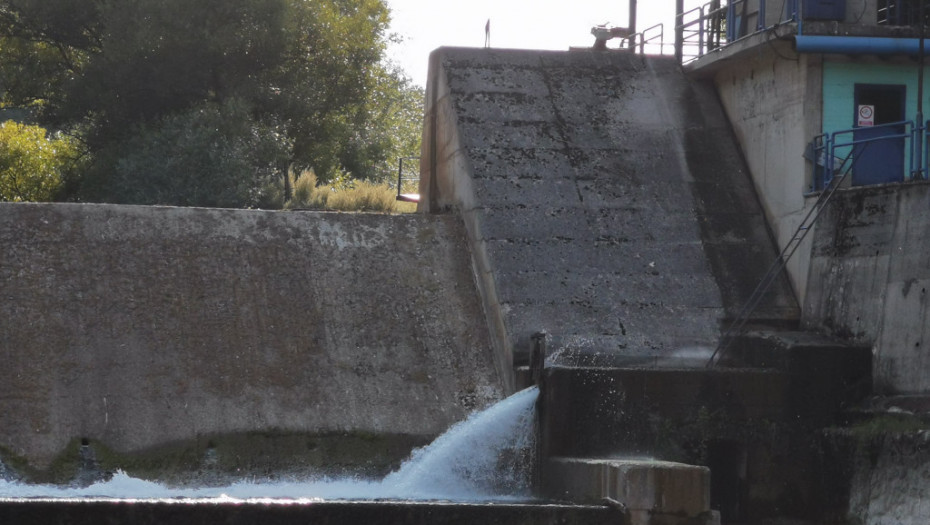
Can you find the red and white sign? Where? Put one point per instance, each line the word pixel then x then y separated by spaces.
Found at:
pixel 866 115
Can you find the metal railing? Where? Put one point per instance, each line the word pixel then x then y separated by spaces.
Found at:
pixel 825 149
pixel 735 328
pixel 646 37
pixel 834 157
pixel 718 23
pixel 408 182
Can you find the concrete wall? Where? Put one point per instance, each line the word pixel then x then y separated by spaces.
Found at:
pixel 139 327
pixel 889 481
pixel 598 205
pixel 869 280
pixel 840 78
pixel 289 513
pixel 774 107
pixel 879 471
pixel 755 428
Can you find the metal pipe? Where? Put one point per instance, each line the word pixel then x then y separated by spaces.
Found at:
pixel 632 24
pixel 857 45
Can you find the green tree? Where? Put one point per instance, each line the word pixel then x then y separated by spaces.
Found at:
pixel 210 155
pixel 32 165
pixel 397 106
pixel 126 77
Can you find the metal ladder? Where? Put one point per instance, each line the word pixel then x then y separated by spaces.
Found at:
pixel 781 261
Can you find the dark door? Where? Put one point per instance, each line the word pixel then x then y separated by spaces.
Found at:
pixel 882 160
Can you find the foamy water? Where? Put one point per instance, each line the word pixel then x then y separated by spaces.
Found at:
pixel 483 458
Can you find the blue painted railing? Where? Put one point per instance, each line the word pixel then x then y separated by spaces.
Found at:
pixel 716 24
pixel 831 154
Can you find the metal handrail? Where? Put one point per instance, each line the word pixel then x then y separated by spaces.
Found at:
pixel 401 195
pixel 630 41
pixel 780 263
pixel 825 148
pixel 708 25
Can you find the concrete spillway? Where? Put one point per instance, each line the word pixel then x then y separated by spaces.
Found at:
pixel 606 200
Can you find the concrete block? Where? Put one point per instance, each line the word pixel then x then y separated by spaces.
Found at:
pixel 645 487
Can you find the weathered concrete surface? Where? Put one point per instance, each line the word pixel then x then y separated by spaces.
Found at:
pixel 828 375
pixel 879 473
pixel 870 278
pixel 754 428
pixel 653 492
pixel 890 487
pixel 139 327
pixel 775 107
pixel 604 196
pixel 288 513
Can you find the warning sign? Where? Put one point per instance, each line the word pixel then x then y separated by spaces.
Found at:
pixel 866 115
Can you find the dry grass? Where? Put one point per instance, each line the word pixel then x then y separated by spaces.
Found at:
pixel 346 195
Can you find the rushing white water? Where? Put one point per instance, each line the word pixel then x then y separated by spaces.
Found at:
pixel 486 457
pixel 489 455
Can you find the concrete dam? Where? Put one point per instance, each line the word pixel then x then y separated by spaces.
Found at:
pixel 593 208
pixel 605 198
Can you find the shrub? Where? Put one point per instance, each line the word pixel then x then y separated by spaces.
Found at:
pixel 32 164
pixel 343 194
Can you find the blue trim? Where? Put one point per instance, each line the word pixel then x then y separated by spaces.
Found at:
pixel 826 149
pixel 856 45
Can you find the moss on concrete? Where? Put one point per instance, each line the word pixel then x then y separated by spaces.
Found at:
pixel 220 459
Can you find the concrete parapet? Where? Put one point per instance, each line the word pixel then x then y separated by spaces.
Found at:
pixel 653 492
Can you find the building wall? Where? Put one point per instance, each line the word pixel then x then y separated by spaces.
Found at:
pixel 138 327
pixel 839 80
pixel 769 102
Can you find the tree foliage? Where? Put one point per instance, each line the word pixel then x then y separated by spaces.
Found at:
pixel 284 83
pixel 32 165
pixel 210 155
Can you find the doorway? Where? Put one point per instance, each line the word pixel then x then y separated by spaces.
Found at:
pixel 880 160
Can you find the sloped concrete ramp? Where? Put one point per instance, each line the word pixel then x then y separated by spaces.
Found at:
pixel 605 198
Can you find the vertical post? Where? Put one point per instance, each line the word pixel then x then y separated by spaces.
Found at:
pixel 701 32
pixel 799 11
pixel 918 145
pixel 760 18
pixel 632 24
pixel 679 31
pixel 400 176
pixel 288 190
